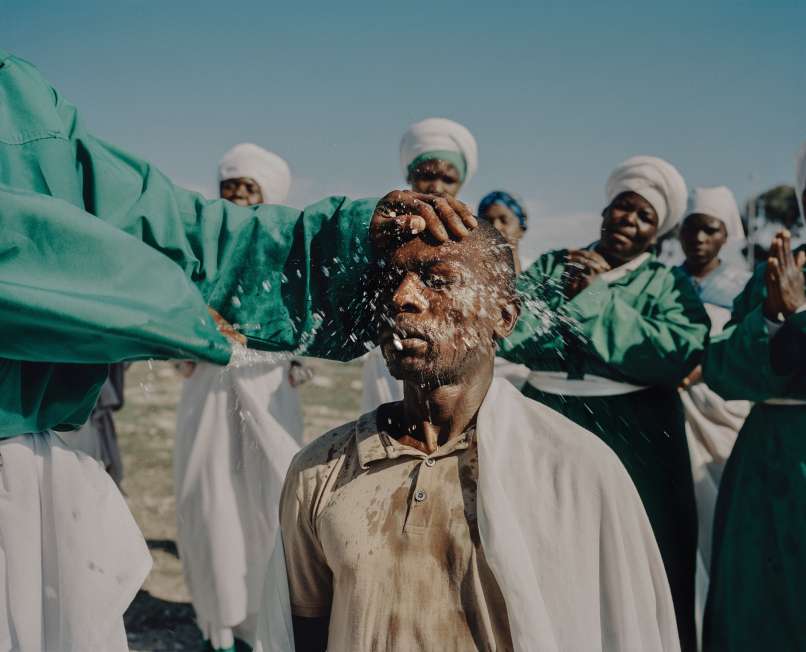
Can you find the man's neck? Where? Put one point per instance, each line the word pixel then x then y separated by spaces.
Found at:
pixel 434 415
pixel 702 271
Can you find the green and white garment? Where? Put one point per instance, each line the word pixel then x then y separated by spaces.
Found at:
pixel 758 561
pixel 610 359
pixel 103 259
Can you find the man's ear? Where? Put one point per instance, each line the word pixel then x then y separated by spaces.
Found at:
pixel 510 312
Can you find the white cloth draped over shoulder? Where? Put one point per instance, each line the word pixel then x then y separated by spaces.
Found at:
pixel 238 428
pixel 79 557
pixel 269 170
pixel 564 532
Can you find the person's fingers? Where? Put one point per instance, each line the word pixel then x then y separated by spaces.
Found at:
pixel 449 217
pixel 464 212
pixel 593 261
pixel 786 249
pixel 773 273
pixel 413 224
pixel 800 259
pixel 401 213
pixel 775 250
pixel 433 223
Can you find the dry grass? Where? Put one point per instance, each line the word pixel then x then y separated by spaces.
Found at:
pixel 161 617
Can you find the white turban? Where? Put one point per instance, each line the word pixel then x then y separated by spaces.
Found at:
pixel 720 203
pixel 269 170
pixel 440 138
pixel 656 181
pixel 800 178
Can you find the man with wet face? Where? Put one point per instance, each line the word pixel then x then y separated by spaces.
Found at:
pixel 390 540
pixel 437 157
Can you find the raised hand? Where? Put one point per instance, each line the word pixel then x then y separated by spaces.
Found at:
pixel 786 290
pixel 403 213
pixel 582 266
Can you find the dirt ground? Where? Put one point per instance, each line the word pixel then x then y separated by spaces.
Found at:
pixel 161 617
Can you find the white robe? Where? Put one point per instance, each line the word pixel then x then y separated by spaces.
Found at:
pixel 238 428
pixel 564 532
pixel 71 555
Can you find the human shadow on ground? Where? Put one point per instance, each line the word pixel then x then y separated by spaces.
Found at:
pixel 166 545
pixel 156 625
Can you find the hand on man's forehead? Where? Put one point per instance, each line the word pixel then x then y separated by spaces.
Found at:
pixel 483 254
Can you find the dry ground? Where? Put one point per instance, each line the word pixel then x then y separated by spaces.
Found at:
pixel 161 617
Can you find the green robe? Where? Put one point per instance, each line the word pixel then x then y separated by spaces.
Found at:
pixel 647 328
pixel 103 259
pixel 758 562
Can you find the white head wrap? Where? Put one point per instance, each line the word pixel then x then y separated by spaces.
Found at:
pixel 720 203
pixel 435 135
pixel 800 178
pixel 656 181
pixel 269 170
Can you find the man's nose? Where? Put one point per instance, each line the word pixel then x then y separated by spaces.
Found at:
pixel 408 297
pixel 435 187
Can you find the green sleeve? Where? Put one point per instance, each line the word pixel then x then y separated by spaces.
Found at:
pixel 73 289
pixel 655 346
pixel 270 269
pixel 285 277
pixel 539 333
pixel 737 363
pixel 788 346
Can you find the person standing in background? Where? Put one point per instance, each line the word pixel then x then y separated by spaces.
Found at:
pixel 711 227
pixel 623 332
pixel 237 429
pixel 507 213
pixel 758 561
pixel 437 156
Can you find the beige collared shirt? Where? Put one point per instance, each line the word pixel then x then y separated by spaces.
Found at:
pixel 384 539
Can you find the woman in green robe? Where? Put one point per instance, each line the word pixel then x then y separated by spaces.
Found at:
pixel 758 560
pixel 609 333
pixel 103 259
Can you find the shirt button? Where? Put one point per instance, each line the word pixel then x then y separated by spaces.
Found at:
pixel 419 495
pixel 429 461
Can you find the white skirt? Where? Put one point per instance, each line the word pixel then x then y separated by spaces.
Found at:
pixel 236 435
pixel 71 555
pixel 712 424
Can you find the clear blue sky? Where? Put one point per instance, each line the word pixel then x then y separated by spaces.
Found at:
pixel 555 92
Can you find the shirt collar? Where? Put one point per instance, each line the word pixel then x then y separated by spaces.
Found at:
pixel 373 445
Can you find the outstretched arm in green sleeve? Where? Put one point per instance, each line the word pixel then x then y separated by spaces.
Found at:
pixel 74 289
